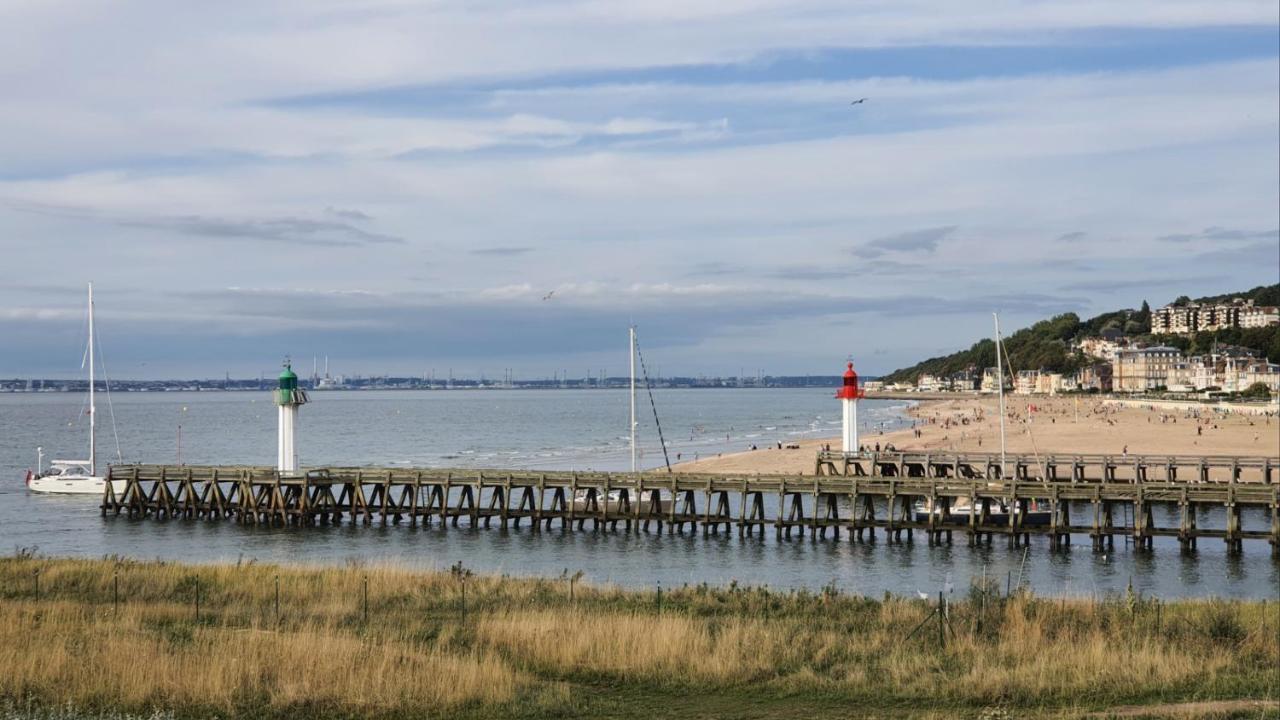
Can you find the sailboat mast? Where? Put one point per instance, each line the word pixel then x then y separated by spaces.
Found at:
pixel 632 336
pixel 1000 385
pixel 93 413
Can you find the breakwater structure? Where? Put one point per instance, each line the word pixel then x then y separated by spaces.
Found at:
pixel 859 494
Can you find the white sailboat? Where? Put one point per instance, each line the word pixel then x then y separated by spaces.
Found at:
pixel 613 496
pixel 75 477
pixel 961 508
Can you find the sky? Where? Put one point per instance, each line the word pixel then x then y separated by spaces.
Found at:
pixel 408 187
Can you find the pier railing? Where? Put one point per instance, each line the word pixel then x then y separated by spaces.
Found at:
pixel 1051 466
pixel 936 504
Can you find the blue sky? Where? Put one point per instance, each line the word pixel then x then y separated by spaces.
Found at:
pixel 397 185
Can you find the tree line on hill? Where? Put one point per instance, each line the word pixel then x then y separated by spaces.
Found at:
pixel 1047 345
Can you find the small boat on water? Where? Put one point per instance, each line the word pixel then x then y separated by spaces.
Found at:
pixel 67 477
pixel 75 477
pixel 961 509
pixel 581 501
pixel 997 513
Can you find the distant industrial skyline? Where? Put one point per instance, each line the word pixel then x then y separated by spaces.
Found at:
pixel 484 187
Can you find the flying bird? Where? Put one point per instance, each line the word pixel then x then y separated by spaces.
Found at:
pixel 859 101
pixel 548 295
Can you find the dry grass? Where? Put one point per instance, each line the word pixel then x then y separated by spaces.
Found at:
pixel 522 648
pixel 156 657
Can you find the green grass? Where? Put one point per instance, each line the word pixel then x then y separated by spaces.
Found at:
pixel 523 649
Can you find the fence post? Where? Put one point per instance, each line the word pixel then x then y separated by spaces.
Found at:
pixel 942 628
pixel 115 594
pixel 277 601
pixel 36 575
pixel 366 599
pixel 197 598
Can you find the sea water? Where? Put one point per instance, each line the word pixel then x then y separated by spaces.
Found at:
pixel 539 429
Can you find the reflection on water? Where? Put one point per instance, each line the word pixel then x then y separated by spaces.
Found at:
pixel 554 429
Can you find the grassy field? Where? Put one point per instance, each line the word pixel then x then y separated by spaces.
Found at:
pixel 116 637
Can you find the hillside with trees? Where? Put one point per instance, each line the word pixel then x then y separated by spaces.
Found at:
pixel 1046 345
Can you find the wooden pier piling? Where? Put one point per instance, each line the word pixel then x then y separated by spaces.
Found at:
pixel 898 493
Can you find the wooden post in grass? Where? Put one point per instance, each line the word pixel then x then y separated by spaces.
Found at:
pixel 462 574
pixel 942 630
pixel 277 602
pixel 115 594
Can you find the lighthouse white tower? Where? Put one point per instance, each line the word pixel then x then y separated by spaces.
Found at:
pixel 848 395
pixel 288 398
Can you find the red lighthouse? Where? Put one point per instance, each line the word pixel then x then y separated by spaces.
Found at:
pixel 848 395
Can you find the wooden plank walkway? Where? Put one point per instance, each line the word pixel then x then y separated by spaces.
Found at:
pixel 875 493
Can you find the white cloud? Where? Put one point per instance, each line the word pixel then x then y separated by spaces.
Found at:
pixel 121 119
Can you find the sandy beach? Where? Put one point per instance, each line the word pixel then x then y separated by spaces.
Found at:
pixel 1036 424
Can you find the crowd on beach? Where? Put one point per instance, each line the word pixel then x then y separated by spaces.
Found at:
pixel 1052 425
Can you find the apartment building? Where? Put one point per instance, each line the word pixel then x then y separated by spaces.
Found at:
pixel 1258 316
pixel 1195 317
pixel 1143 369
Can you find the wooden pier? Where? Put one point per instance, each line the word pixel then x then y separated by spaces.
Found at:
pixel 897 493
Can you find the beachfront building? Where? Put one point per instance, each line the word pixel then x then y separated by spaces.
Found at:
pixel 1260 371
pixel 966 380
pixel 1180 377
pixel 928 383
pixel 1050 383
pixel 1227 371
pixel 1195 374
pixel 1095 377
pixel 990 381
pixel 1142 369
pixel 1026 382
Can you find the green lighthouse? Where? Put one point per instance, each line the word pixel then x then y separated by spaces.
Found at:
pixel 288 397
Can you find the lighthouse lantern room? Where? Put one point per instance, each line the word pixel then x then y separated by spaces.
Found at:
pixel 288 398
pixel 849 394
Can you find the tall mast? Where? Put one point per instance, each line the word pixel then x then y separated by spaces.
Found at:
pixel 93 412
pixel 632 336
pixel 1000 385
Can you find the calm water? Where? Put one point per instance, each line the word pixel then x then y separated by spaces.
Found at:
pixel 537 429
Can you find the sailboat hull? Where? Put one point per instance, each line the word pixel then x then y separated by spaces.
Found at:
pixel 960 517
pixel 77 485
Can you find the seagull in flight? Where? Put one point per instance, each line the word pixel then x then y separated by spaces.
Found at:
pixel 859 101
pixel 548 295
